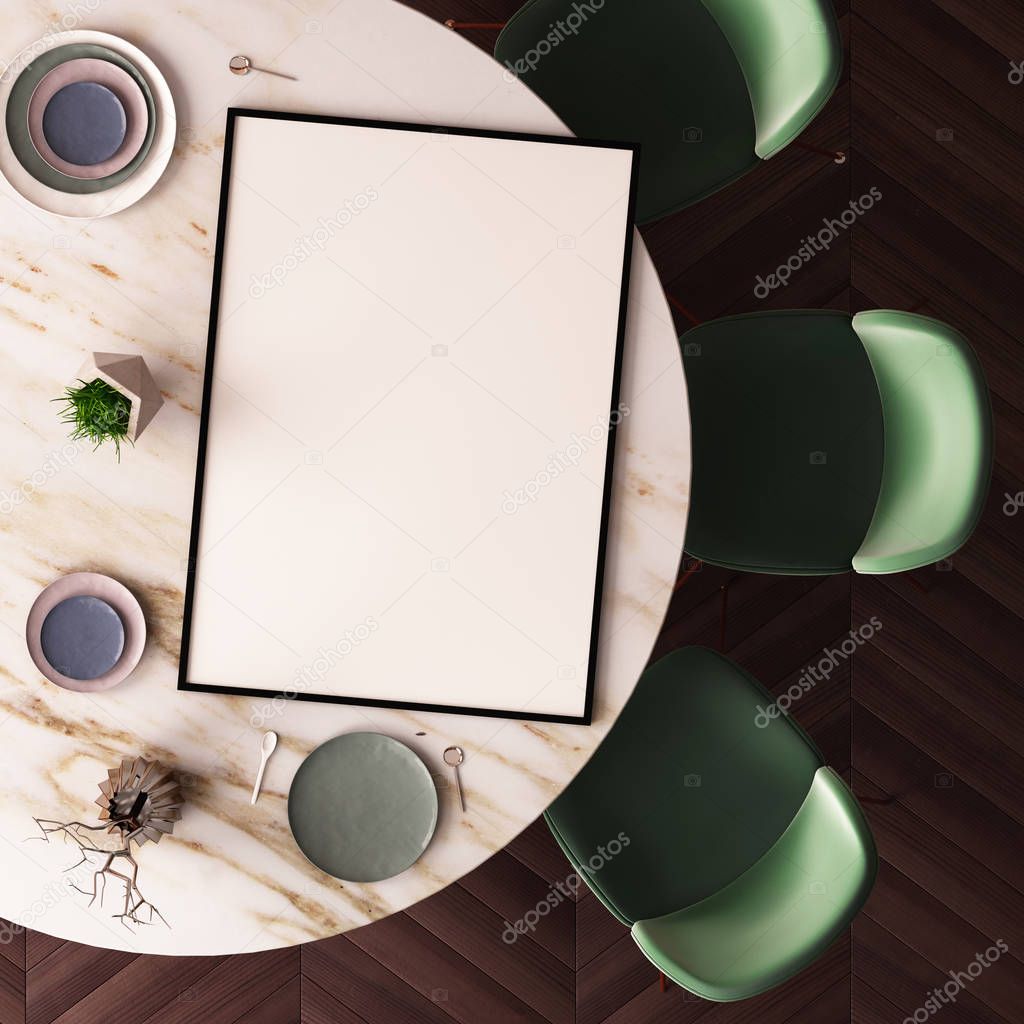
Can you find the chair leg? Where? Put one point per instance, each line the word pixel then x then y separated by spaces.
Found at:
pixel 675 303
pixel 469 25
pixel 837 156
pixel 694 566
pixel 916 584
pixel 722 617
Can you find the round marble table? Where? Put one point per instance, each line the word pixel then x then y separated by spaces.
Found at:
pixel 231 879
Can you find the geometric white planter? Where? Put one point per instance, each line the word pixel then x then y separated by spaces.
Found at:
pixel 129 375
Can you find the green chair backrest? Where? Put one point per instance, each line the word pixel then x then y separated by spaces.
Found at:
pixel 938 440
pixel 780 915
pixel 791 57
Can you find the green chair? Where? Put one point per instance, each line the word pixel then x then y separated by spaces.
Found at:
pixel 712 829
pixel 824 442
pixel 708 88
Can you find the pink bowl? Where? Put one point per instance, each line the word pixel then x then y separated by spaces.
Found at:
pixel 88 69
pixel 119 597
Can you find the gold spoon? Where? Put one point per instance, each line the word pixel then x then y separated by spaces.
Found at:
pixel 243 65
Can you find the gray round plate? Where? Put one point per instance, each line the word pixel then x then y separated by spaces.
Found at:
pixel 85 123
pixel 82 637
pixel 17 119
pixel 362 807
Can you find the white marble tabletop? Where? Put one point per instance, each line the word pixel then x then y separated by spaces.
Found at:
pixel 231 879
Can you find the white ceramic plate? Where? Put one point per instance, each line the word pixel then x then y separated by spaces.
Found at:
pixel 97 204
pixel 119 597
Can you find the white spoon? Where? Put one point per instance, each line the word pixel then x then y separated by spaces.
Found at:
pixel 453 757
pixel 267 747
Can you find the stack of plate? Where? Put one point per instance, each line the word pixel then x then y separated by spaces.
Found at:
pixel 88 124
pixel 86 632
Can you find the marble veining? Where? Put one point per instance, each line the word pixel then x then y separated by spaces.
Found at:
pixel 231 879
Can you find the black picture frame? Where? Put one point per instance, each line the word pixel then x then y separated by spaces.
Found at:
pixel 233 114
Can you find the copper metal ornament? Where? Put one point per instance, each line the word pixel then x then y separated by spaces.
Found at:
pixel 141 799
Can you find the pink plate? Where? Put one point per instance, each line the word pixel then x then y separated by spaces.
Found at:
pixel 87 69
pixel 119 597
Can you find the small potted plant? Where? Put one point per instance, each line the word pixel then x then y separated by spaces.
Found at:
pixel 113 399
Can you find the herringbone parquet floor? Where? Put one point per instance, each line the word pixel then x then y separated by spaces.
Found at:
pixel 926 721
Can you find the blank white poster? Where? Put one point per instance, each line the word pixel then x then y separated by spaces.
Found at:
pixel 410 404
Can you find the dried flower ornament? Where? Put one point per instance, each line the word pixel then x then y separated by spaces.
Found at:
pixel 140 801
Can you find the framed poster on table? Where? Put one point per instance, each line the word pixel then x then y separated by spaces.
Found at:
pixel 408 418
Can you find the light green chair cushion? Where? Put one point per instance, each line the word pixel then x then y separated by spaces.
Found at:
pixel 707 87
pixel 938 441
pixel 782 913
pixel 697 790
pixel 791 57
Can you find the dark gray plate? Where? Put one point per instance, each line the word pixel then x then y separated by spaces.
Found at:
pixel 84 123
pixel 362 807
pixel 82 637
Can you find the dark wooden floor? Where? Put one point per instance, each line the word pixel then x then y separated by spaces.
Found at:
pixel 926 721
